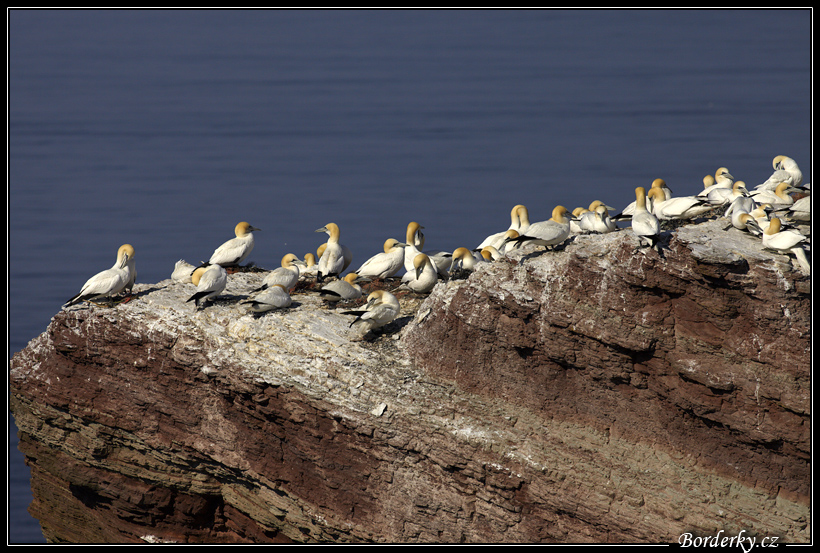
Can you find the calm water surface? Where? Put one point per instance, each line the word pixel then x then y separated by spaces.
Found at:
pixel 164 129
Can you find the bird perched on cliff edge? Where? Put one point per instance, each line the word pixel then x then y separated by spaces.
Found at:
pixel 549 233
pixel 111 281
pixel 645 225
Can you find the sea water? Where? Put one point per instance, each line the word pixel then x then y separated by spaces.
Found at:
pixel 163 129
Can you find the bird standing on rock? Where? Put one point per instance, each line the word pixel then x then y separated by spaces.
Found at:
pixel 111 281
pixel 210 281
pixel 236 250
pixel 332 261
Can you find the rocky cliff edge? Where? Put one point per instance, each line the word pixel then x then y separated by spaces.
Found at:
pixel 601 393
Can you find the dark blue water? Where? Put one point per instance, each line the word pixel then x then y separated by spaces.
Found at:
pixel 164 129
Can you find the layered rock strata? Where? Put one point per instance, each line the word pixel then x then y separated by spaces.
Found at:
pixel 600 393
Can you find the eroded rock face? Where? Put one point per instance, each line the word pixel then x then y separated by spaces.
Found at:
pixel 589 395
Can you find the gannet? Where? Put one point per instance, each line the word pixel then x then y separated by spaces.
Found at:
pixel 779 197
pixel 708 181
pixel 182 271
pixel 657 183
pixel 579 223
pixel 386 263
pixel 740 204
pixel 111 281
pixel 236 250
pixel 507 245
pixel 346 253
pixel 332 261
pixel 800 210
pixel 722 196
pixel 547 233
pixel 742 220
pixel 464 262
pixel 774 238
pixel 491 253
pixel 723 178
pixel 679 207
pixel 645 225
pixel 597 221
pixel 210 281
pixel 310 267
pixel 441 259
pixel 381 309
pixel 275 297
pixel 785 170
pixel 423 277
pixel 411 250
pixel 341 290
pixel 762 214
pixel 287 275
pixel 786 241
pixel 497 239
pixel 523 221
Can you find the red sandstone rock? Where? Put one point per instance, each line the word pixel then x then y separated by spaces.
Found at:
pixel 596 394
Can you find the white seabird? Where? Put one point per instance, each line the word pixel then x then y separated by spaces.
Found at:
pixel 332 260
pixel 743 220
pixel 723 196
pixel 236 250
pixel 423 277
pixel 678 208
pixel 342 290
pixel 386 263
pixel 785 170
pixel 381 309
pixel 414 241
pixel 597 221
pixel 779 197
pixel 111 281
pixel 497 239
pixel 210 281
pixel 645 224
pixel 549 233
pixel 491 253
pixel 740 204
pixel 800 210
pixel 309 267
pixel 273 298
pixel 786 241
pixel 657 183
pixel 182 271
pixel 287 275
pixel 463 260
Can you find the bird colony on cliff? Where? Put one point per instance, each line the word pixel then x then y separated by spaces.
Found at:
pixel 775 212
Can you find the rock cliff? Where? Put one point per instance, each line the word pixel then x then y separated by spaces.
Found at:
pixel 598 393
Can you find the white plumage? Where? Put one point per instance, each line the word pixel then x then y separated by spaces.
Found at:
pixel 111 281
pixel 210 281
pixel 332 260
pixel 287 275
pixel 381 309
pixel 645 224
pixel 236 250
pixel 273 298
pixel 386 263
